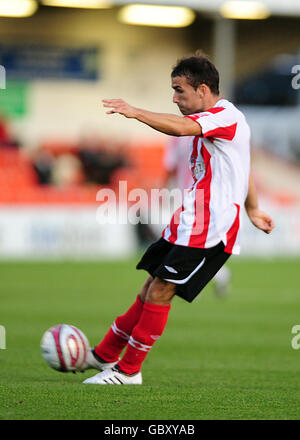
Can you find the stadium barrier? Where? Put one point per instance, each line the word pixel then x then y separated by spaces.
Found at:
pixel 44 221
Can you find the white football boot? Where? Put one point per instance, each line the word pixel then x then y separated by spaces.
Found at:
pixel 111 376
pixel 92 362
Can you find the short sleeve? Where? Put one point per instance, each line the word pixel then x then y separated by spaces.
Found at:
pixel 218 122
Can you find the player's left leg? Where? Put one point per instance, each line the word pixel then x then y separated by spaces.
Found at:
pixel 110 348
pixel 148 329
pixel 106 353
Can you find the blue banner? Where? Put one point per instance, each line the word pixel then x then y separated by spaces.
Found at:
pixel 25 62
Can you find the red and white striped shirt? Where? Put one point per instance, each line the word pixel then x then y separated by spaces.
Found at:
pixel 220 163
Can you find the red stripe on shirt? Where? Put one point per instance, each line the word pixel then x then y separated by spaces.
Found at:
pixel 194 154
pixel 202 213
pixel 212 110
pixel 174 225
pixel 193 117
pixel 175 220
pixel 215 110
pixel 227 133
pixel 233 231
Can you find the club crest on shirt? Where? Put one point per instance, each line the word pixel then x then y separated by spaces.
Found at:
pixel 198 167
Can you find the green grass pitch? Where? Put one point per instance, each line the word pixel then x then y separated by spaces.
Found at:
pixel 227 358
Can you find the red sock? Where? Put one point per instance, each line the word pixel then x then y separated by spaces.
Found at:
pixel 149 328
pixel 118 335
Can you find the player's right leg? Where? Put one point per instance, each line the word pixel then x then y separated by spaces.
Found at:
pixel 96 363
pixel 106 353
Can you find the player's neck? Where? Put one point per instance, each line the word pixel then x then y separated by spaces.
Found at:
pixel 211 102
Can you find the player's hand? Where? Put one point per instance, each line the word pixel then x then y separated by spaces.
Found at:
pixel 119 106
pixel 261 220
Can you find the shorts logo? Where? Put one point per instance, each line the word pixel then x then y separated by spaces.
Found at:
pixel 185 280
pixel 170 269
pixel 155 337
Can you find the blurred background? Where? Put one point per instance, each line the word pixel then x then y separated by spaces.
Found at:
pixel 58 147
pixel 59 263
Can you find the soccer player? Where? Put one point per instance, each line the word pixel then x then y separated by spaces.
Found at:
pixel 179 175
pixel 203 233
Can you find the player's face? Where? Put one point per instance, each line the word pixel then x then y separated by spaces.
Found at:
pixel 186 97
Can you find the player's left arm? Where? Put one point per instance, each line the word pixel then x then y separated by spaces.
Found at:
pixel 259 218
pixel 165 123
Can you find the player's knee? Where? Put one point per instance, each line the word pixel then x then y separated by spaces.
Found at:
pixel 145 288
pixel 160 292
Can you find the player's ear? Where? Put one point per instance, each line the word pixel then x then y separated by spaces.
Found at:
pixel 202 90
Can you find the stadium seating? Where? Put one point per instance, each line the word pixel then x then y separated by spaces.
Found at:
pixel 19 182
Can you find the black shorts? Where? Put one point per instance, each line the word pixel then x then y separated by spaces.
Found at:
pixel 189 268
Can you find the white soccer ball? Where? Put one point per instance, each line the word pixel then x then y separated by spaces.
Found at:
pixel 64 348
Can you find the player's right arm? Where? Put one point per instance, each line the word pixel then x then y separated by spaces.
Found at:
pixel 165 123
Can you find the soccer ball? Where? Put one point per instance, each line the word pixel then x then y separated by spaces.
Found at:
pixel 64 348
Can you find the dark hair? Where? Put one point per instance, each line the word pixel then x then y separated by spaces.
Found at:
pixel 198 70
